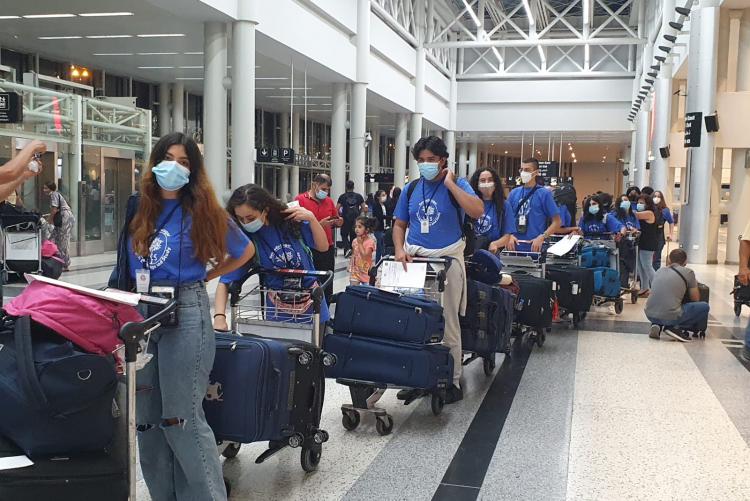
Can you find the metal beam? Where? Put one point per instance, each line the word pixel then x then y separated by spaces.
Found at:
pixel 547 75
pixel 560 42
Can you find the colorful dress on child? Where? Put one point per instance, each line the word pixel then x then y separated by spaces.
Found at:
pixel 361 259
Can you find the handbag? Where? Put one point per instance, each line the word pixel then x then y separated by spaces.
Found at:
pixel 120 276
pixel 57 219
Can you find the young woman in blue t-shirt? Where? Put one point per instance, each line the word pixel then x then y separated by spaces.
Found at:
pixel 178 229
pixel 595 222
pixel 282 238
pixel 494 229
pixel 623 212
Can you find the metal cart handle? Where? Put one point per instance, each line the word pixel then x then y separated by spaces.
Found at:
pixel 318 293
pixel 133 332
pixel 441 275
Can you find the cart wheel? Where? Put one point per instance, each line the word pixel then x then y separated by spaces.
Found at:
pixel 350 420
pixel 737 309
pixel 582 316
pixel 529 339
pixel 576 320
pixel 634 297
pixel 489 366
pixel 310 458
pixel 619 305
pixel 437 403
pixel 384 426
pixel 541 337
pixel 702 334
pixel 231 451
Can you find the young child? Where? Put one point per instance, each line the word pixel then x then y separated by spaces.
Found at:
pixel 363 250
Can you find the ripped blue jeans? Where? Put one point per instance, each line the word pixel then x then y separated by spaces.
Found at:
pixel 178 453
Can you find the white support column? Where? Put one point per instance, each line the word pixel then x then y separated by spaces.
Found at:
pixel 178 107
pixel 695 236
pixel 714 215
pixel 294 174
pixel 473 159
pixel 399 153
pixel 739 198
pixel 663 109
pixel 419 85
pixel 733 54
pixel 165 125
pixel 643 121
pixel 450 134
pixel 359 99
pixel 338 140
pixel 374 151
pixel 415 133
pixel 284 143
pixel 463 150
pixel 215 104
pixel 243 96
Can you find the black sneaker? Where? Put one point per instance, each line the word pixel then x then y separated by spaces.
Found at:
pixel 408 396
pixel 453 395
pixel 348 254
pixel 654 332
pixel 677 334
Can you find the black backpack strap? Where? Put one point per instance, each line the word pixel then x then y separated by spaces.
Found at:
pixel 526 199
pixel 687 287
pixel 413 186
pixel 120 277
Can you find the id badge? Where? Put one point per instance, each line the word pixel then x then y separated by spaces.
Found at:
pixel 142 281
pixel 425 227
pixel 522 220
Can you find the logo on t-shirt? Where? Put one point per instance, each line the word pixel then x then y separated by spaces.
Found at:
pixel 285 256
pixel 483 225
pixel 159 251
pixel 428 211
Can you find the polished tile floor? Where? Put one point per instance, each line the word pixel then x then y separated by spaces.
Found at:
pixel 599 413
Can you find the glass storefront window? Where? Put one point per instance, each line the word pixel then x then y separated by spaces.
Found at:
pixel 91 175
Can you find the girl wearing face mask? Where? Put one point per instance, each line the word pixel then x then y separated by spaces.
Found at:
pixel 667 219
pixel 494 229
pixel 628 259
pixel 178 229
pixel 650 218
pixel 382 212
pixel 595 221
pixel 281 239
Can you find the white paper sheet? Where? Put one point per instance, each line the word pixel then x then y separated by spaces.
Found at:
pixel 394 275
pixel 12 462
pixel 564 246
pixel 114 295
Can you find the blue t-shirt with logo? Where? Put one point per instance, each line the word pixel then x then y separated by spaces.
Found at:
pixel 630 221
pixel 431 202
pixel 538 209
pixel 596 227
pixel 276 249
pixel 487 225
pixel 172 257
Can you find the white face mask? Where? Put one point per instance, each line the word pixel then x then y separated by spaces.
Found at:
pixel 486 186
pixel 657 200
pixel 526 176
pixel 383 199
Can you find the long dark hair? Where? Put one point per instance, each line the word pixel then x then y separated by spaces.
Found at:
pixel 662 204
pixel 261 200
pixel 587 216
pixel 648 199
pixel 210 223
pixel 498 196
pixel 622 214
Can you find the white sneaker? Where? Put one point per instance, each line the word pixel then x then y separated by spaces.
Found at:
pixel 611 310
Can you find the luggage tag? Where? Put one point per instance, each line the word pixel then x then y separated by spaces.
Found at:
pixel 425 227
pixel 142 281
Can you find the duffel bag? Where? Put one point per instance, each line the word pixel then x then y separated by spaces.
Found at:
pixel 595 257
pixel 574 287
pixel 56 398
pixel 534 306
pixel 606 282
pixel 741 292
pixel 366 311
pixel 485 267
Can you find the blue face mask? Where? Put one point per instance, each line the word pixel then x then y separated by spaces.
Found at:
pixel 253 225
pixel 625 205
pixel 429 171
pixel 640 207
pixel 170 175
pixel 593 209
pixel 321 194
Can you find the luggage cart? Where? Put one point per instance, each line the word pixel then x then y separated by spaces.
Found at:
pixel 256 313
pixel 21 233
pixel 366 393
pixel 573 257
pixel 534 264
pixel 633 238
pixel 608 241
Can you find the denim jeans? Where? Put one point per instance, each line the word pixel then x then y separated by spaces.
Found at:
pixel 694 317
pixel 646 268
pixel 379 238
pixel 747 340
pixel 180 462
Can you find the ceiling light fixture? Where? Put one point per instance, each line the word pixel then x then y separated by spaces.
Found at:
pixel 193 53
pixel 105 14
pixel 156 67
pixel 10 17
pixel 72 37
pixel 157 53
pixel 682 11
pixel 108 36
pixel 161 35
pixel 670 38
pixel 655 67
pixel 113 54
pixel 272 78
pixel 47 16
pixel 666 49
pixel 652 74
pixel 189 78
pixel 190 67
pixel 675 26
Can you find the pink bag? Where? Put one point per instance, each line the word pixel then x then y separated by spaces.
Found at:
pixel 49 249
pixel 91 323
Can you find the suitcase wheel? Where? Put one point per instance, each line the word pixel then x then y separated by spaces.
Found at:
pixel 384 426
pixel 350 419
pixel 619 305
pixel 541 337
pixel 296 440
pixel 329 360
pixel 310 458
pixel 320 437
pixel 231 450
pixel 437 403
pixel 634 297
pixel 489 366
pixel 737 309
pixel 305 358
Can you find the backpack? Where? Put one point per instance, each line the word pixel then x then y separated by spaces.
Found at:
pixel 120 276
pixel 351 206
pixel 467 228
pixel 565 194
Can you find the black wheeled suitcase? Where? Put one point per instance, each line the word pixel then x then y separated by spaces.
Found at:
pixel 534 306
pixel 574 287
pixel 486 328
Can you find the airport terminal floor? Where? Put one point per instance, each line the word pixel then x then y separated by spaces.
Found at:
pixel 600 413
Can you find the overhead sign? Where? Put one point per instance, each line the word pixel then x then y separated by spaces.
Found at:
pixel 693 126
pixel 549 169
pixel 273 154
pixel 11 108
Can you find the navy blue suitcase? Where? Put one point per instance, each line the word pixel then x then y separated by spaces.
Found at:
pixel 260 389
pixel 606 282
pixel 486 328
pixel 388 362
pixel 367 311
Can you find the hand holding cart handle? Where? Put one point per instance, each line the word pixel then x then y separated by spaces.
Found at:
pixel 440 277
pixel 133 332
pixel 317 293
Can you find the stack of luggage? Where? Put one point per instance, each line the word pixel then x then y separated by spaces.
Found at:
pixel 574 290
pixel 487 326
pixel 386 339
pixel 606 278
